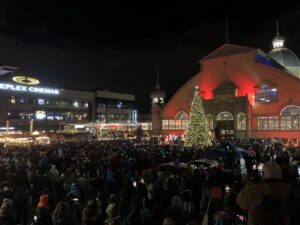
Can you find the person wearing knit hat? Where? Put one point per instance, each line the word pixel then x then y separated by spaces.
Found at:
pixel 216 203
pixel 216 193
pixel 43 202
pixel 43 211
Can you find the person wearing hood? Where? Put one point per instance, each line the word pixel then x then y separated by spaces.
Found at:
pixel 74 192
pixel 113 216
pixel 91 215
pixel 176 211
pixel 43 211
pixel 61 215
pixel 53 176
pixel 7 212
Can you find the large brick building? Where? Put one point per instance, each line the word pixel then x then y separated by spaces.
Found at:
pixel 246 93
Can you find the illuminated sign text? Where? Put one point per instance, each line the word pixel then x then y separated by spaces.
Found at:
pixel 23 88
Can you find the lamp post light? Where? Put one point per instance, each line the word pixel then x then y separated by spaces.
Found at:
pixel 119 106
pixel 31 126
pixel 7 126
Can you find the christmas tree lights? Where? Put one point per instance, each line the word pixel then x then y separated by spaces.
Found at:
pixel 197 133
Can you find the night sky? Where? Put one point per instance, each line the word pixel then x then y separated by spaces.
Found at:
pixel 117 45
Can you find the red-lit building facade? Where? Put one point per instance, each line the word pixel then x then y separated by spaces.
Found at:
pixel 246 93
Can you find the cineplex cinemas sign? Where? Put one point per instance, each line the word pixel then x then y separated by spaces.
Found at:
pixel 24 88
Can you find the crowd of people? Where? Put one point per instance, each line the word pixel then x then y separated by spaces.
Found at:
pixel 117 182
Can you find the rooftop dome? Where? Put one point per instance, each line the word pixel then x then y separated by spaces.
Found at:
pixel 285 57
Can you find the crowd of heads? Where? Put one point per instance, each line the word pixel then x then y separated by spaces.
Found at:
pixel 118 182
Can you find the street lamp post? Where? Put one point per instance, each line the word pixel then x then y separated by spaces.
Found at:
pixel 7 126
pixel 31 126
pixel 119 105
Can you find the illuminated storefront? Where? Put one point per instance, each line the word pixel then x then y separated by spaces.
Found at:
pixel 27 104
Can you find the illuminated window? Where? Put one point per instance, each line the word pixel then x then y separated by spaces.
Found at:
pixel 174 124
pixel 177 124
pixel 262 123
pixel 171 124
pixel 184 124
pixel 225 116
pixel 181 115
pixel 268 123
pixel 76 104
pixel 12 100
pixel 290 118
pixel 23 100
pixel 119 105
pixel 241 121
pixel 40 115
pixel 42 101
pixel 59 117
pixel 266 94
pixel 161 100
pixel 165 124
pixel 155 100
pixel 210 121
pixel 273 123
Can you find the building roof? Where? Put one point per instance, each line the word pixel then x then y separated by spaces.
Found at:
pixel 227 84
pixel 285 57
pixel 227 49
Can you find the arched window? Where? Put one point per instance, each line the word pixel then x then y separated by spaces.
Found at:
pixel 210 121
pixel 241 121
pixel 181 115
pixel 225 116
pixel 290 118
pixel 266 94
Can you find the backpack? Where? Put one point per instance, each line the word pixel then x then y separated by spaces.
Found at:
pixel 145 214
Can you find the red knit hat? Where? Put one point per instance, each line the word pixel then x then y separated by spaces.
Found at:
pixel 43 202
pixel 216 193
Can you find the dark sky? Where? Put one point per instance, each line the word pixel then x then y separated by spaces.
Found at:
pixel 117 45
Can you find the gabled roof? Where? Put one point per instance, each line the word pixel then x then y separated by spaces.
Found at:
pixel 227 84
pixel 227 49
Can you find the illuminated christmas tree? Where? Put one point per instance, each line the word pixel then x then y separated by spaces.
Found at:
pixel 197 133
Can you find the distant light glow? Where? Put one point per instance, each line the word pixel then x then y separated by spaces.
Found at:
pixel 25 80
pixel 40 115
pixel 278 44
pixel 7 128
pixel 76 104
